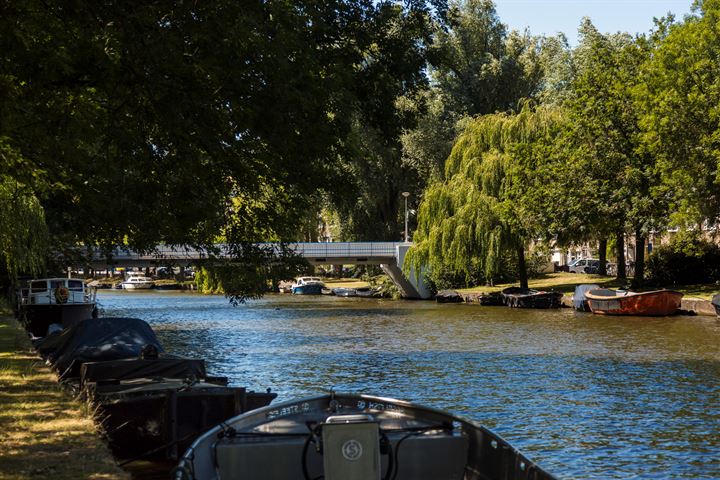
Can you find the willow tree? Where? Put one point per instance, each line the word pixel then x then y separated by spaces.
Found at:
pixel 23 232
pixel 488 204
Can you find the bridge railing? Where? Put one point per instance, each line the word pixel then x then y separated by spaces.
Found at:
pixel 308 250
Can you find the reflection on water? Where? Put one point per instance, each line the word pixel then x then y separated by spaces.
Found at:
pixel 586 396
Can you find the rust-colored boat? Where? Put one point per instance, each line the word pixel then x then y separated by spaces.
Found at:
pixel 657 303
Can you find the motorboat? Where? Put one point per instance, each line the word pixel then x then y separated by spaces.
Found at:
pixel 307 286
pixel 716 304
pixel 352 436
pixel 580 303
pixel 54 301
pixel 529 298
pixel 658 303
pixel 137 281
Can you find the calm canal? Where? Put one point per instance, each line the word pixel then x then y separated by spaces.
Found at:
pixel 588 397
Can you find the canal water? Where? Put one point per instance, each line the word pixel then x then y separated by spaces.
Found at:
pixel 587 397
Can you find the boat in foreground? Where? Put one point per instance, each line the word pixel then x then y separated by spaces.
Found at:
pixel 658 303
pixel 350 436
pixel 60 301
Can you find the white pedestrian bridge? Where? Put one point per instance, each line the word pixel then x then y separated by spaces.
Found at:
pixel 389 255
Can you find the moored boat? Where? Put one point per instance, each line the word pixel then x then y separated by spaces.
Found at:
pixel 657 303
pixel 345 292
pixel 491 299
pixel 716 304
pixel 307 286
pixel 150 405
pixel 61 301
pixel 580 303
pixel 137 281
pixel 350 436
pixel 448 296
pixel 529 298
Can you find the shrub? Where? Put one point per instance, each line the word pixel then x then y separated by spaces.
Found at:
pixel 685 261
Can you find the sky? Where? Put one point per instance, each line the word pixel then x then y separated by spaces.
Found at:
pixel 609 16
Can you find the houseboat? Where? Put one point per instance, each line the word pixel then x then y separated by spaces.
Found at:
pixel 60 301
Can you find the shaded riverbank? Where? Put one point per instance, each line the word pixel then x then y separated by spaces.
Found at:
pixel 44 432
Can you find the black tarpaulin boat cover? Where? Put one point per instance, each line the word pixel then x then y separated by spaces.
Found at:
pixel 97 339
pixel 138 368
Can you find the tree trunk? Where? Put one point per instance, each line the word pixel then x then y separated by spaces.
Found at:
pixel 602 256
pixel 522 267
pixel 639 278
pixel 621 273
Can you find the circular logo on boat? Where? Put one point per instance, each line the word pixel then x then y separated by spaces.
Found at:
pixel 352 450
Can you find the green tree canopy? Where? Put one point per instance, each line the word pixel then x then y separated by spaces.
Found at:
pixel 680 101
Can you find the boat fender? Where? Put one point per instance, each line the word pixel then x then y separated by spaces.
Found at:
pixel 61 295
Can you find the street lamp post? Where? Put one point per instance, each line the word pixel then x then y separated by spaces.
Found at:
pixel 406 195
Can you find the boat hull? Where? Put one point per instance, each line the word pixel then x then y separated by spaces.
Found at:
pixel 163 422
pixel 137 286
pixel 38 317
pixel 418 443
pixel 716 304
pixel 309 289
pixel 652 304
pixel 528 298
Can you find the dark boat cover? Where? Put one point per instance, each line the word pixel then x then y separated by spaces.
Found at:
pixel 131 368
pixel 94 340
pixel 448 296
pixel 716 304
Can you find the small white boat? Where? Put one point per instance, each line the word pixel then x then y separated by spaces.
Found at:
pixel 137 281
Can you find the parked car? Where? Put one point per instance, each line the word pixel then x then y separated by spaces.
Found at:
pixel 579 266
pixel 589 265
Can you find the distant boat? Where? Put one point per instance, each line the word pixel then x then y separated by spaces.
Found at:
pixel 580 303
pixel 307 286
pixel 716 304
pixel 61 301
pixel 492 299
pixel 137 281
pixel 345 292
pixel 349 436
pixel 658 303
pixel 365 292
pixel 448 296
pixel 529 298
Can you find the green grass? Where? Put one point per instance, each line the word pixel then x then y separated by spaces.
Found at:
pixel 44 432
pixel 566 283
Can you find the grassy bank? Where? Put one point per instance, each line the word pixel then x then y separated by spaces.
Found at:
pixel 566 283
pixel 44 432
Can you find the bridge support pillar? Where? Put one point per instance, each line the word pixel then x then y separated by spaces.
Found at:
pixel 412 287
